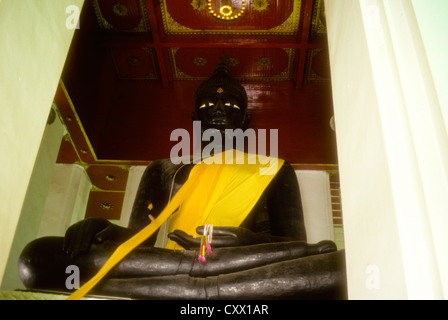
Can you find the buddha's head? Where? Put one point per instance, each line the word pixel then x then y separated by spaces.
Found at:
pixel 220 102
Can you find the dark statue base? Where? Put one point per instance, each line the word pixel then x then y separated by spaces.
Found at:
pixel 303 278
pixel 289 270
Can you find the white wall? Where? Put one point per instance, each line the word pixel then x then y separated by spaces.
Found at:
pixel 34 42
pixel 34 202
pixel 67 200
pixel 432 22
pixel 392 149
pixel 316 203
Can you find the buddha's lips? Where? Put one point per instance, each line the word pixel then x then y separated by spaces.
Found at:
pixel 219 122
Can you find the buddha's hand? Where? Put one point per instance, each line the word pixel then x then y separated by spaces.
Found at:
pixel 80 236
pixel 222 237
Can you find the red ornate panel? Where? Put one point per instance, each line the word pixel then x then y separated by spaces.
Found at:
pixel 122 15
pixel 254 64
pixel 106 205
pixel 108 177
pixel 259 17
pixel 134 63
pixel 318 66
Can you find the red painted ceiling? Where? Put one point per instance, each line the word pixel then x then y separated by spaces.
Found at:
pixel 133 67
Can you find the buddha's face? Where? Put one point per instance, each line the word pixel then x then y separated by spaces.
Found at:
pixel 221 110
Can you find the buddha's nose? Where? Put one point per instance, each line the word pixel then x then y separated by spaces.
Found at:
pixel 220 108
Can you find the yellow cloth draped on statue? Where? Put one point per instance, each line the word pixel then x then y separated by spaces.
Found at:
pixel 226 193
pixel 221 190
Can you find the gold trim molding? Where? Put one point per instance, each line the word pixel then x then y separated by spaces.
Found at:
pixel 318 26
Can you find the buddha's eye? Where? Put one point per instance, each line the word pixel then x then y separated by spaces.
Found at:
pixel 209 104
pixel 228 104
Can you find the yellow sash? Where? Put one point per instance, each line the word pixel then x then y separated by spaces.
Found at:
pixel 227 193
pixel 218 194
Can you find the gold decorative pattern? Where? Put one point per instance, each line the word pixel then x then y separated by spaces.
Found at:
pixel 67 138
pixel 232 62
pixel 171 24
pixel 121 10
pixel 318 21
pixel 311 75
pixel 264 62
pixel 199 5
pixel 289 27
pixel 199 61
pixel 136 62
pixel 226 12
pixel 260 5
pixel 106 206
pixel 133 61
pixel 79 124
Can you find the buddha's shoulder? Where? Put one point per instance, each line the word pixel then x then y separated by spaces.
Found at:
pixel 164 167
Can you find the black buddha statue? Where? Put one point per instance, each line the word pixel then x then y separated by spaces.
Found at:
pixel 264 256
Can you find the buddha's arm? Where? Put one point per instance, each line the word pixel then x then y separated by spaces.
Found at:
pixel 151 198
pixel 285 206
pixel 80 237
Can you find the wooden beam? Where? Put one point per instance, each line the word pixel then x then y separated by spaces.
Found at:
pixel 156 41
pixel 306 27
pixel 140 41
